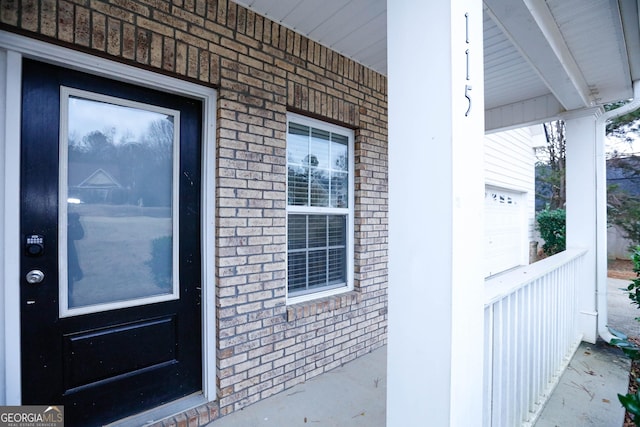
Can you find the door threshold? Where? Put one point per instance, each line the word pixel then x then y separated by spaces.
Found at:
pixel 161 412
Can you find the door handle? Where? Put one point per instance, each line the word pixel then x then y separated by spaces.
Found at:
pixel 35 276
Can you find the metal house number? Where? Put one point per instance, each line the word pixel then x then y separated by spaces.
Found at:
pixel 467 87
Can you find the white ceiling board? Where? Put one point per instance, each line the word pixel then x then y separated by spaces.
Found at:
pixel 593 33
pixel 631 29
pixel 354 28
pixel 541 56
pixel 520 26
pixel 349 20
pixel 508 77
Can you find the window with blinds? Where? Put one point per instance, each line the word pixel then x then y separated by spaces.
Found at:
pixel 319 211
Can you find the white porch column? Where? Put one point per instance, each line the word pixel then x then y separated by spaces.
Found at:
pixel 586 207
pixel 436 191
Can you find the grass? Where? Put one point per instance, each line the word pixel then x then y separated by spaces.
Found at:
pixel 113 256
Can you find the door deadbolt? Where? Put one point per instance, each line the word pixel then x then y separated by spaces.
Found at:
pixel 35 276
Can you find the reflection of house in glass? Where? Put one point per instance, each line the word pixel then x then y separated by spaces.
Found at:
pixel 91 184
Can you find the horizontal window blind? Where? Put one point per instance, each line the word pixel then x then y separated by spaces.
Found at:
pixel 318 168
pixel 317 248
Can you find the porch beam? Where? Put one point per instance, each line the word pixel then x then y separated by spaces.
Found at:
pixel 525 113
pixel 436 199
pixel 531 28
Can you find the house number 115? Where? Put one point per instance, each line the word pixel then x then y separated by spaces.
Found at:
pixel 467 87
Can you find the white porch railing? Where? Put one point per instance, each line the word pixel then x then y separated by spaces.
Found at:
pixel 531 333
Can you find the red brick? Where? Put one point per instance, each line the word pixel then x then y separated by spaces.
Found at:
pixel 48 21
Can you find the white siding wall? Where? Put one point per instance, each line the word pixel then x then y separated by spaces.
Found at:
pixel 509 172
pixel 510 164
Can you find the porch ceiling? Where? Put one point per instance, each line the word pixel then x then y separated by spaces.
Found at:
pixel 542 57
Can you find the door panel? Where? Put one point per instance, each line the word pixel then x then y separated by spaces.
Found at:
pixel 89 358
pixel 114 327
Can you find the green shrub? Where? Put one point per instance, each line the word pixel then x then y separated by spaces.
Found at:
pixel 633 290
pixel 631 402
pixel 553 229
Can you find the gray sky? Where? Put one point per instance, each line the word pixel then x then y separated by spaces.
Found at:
pixel 86 116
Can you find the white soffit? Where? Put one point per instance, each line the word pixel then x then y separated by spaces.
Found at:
pixel 355 28
pixel 508 78
pixel 631 25
pixel 593 32
pixel 532 30
pixel 542 57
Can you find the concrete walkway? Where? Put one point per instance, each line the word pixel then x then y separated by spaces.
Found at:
pixel 621 313
pixel 587 392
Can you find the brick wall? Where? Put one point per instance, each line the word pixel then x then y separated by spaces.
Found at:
pixel 261 71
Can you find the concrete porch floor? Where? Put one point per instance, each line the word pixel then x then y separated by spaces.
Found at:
pixel 354 395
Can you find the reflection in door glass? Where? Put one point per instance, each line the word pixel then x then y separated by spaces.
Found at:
pixel 119 200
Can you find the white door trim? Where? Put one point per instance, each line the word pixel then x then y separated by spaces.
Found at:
pixel 12 49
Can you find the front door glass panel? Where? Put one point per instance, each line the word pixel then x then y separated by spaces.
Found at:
pixel 118 202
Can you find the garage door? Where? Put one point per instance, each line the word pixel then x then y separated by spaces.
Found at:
pixel 504 230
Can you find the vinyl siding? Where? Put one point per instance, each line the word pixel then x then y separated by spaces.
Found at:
pixel 510 164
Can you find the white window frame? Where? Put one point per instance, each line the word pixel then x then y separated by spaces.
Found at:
pixel 320 125
pixel 65 311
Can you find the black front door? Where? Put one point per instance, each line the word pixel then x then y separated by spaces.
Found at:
pixel 110 222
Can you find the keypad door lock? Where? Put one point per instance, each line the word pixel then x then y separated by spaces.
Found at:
pixel 34 245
